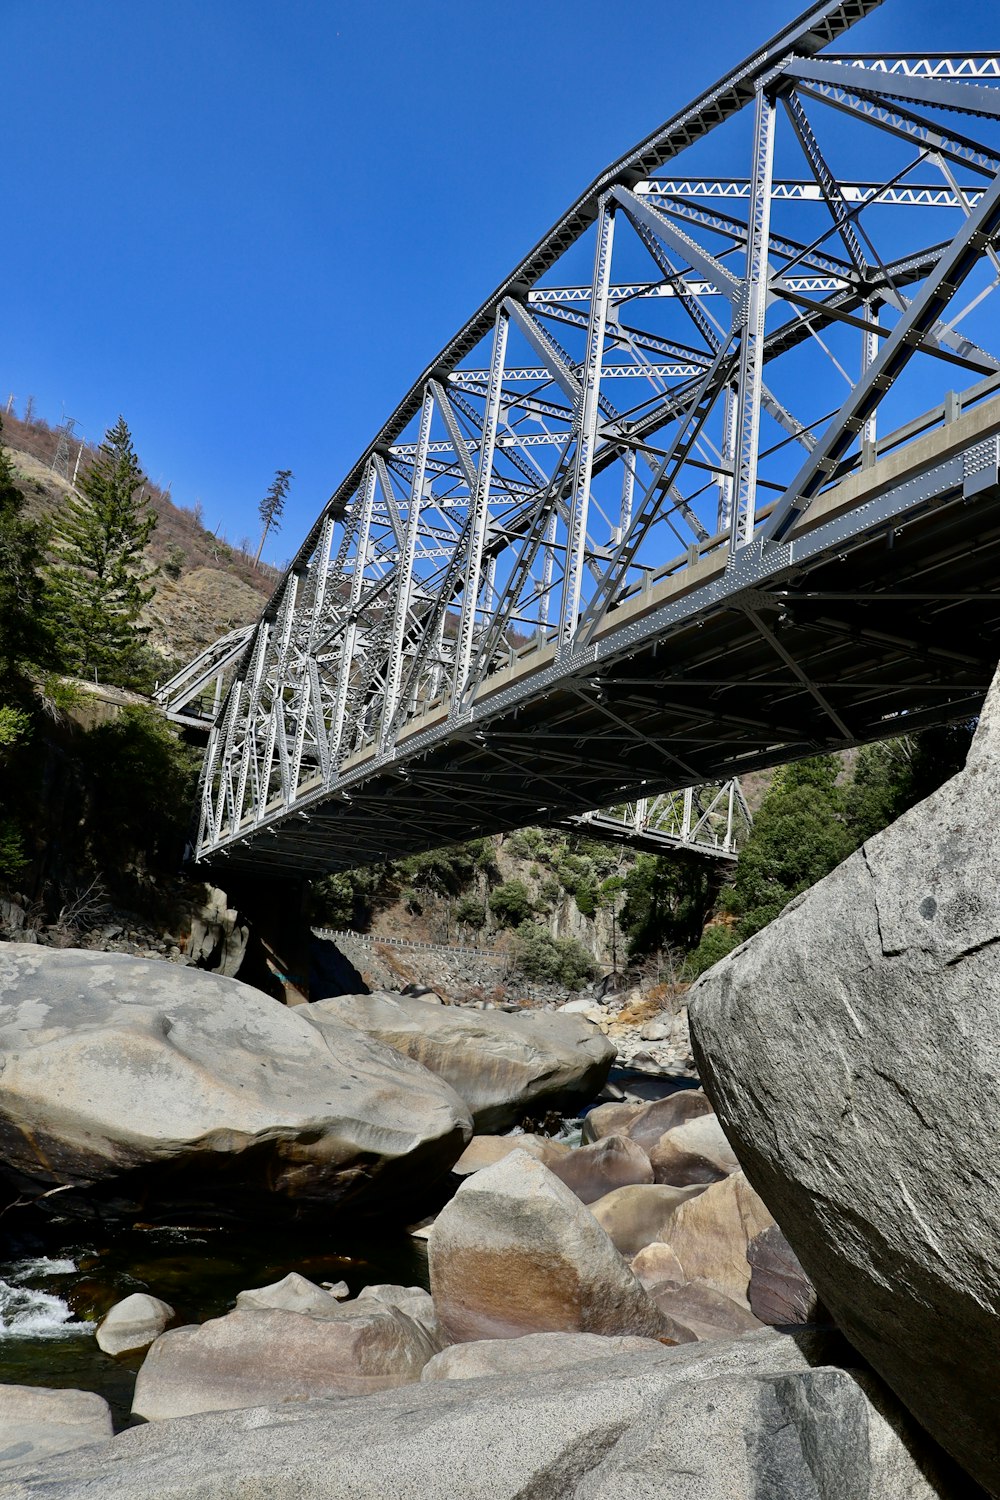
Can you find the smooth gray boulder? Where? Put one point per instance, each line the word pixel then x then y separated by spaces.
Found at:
pixel 412 1300
pixel 261 1358
pixel 852 1050
pixel 502 1065
pixel 646 1123
pixel 698 1310
pixel 636 1216
pixel 293 1293
pixel 594 1171
pixel 36 1423
pixel 515 1251
pixel 483 1150
pixel 695 1152
pixel 753 1419
pixel 133 1324
pixel 142 1082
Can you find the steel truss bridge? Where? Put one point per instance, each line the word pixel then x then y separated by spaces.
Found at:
pixel 710 482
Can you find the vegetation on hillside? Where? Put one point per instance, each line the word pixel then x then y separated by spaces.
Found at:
pixel 100 578
pixel 108 809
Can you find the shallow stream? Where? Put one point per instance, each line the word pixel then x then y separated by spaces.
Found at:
pixel 52 1298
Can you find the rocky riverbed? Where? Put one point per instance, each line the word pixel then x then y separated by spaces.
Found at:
pixel 616 1309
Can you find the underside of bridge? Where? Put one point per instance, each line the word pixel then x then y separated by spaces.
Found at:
pixel 708 484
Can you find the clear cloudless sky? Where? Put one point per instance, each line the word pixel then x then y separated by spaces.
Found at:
pixel 247 225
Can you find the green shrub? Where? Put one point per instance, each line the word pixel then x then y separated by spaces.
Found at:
pixel 470 913
pixel 511 903
pixel 538 955
pixel 716 941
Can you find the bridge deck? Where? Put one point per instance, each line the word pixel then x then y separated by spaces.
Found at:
pixel 721 664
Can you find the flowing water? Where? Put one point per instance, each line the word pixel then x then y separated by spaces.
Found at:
pixel 52 1298
pixel 59 1278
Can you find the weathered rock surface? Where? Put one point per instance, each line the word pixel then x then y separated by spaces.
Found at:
pixel 710 1233
pixel 293 1293
pixel 656 1265
pixel 594 1171
pixel 242 1099
pixel 515 1251
pixel 36 1423
pixel 412 1300
pixel 646 1123
pixel 697 1310
pixel 754 1419
pixel 780 1292
pixel 501 1065
pixel 531 1352
pixel 264 1357
pixel 133 1324
pixel 485 1150
pixel 852 1049
pixel 636 1216
pixel 696 1151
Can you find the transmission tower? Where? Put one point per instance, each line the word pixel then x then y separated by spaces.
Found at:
pixel 60 463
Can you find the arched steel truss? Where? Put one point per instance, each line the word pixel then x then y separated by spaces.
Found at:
pixel 671 417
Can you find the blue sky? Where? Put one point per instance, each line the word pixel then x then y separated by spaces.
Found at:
pixel 248 226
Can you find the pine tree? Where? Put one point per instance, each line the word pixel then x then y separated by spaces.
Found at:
pixel 98 586
pixel 271 507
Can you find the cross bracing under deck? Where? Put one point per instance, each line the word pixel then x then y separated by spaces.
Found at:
pixel 708 483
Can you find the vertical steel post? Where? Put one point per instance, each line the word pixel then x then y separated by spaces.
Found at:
pixel 752 338
pixel 307 701
pixel 727 478
pixel 276 734
pixel 869 351
pixel 688 811
pixel 404 574
pixel 548 563
pixel 255 677
pixel 628 494
pixel 480 511
pixel 350 632
pixel 587 416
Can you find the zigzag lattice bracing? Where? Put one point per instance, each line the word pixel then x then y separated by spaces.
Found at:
pixel 709 482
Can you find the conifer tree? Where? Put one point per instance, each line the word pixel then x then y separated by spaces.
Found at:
pixel 98 585
pixel 272 506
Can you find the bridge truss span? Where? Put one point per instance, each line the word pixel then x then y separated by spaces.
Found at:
pixel 708 483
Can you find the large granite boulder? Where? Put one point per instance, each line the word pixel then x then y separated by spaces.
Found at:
pixel 133 1324
pixel 263 1357
pixel 754 1419
pixel 852 1050
pixel 36 1423
pixel 696 1151
pixel 503 1065
pixel 710 1232
pixel 150 1086
pixel 515 1251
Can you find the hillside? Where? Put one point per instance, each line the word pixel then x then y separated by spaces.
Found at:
pixel 205 587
